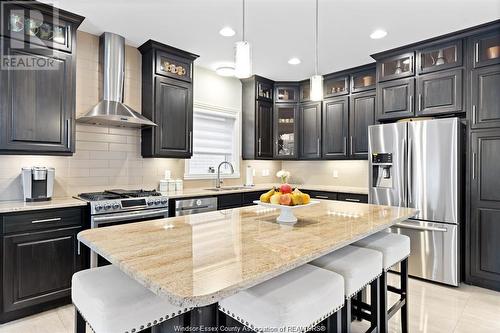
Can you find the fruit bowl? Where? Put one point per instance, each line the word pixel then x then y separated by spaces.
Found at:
pixel 286 215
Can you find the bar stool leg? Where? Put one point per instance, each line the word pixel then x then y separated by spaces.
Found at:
pixel 404 294
pixel 346 316
pixel 334 323
pixel 80 324
pixel 375 305
pixel 383 303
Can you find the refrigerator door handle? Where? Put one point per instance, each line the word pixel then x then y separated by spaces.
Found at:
pixel 410 170
pixel 416 227
pixel 402 187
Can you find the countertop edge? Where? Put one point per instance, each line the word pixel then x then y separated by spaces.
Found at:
pixel 7 207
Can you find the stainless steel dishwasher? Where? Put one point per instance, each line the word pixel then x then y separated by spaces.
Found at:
pixel 195 205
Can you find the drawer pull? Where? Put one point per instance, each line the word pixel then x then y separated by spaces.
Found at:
pixel 353 200
pixel 321 197
pixel 57 219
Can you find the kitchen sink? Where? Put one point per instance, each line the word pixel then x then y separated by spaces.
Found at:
pixel 228 188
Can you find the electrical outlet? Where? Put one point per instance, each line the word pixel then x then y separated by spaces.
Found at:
pixel 335 173
pixel 265 172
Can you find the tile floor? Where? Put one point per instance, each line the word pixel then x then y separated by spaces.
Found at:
pixel 433 308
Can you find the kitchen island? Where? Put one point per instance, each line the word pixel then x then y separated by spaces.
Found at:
pixel 197 260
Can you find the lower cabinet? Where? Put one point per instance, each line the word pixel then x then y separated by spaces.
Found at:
pixel 482 245
pixel 362 198
pixel 38 263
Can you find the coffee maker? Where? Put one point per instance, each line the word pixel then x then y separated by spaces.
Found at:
pixel 38 183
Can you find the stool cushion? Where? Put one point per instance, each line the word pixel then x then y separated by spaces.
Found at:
pixel 394 247
pixel 300 298
pixel 110 301
pixel 358 266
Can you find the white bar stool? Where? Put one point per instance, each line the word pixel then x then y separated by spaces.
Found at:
pixel 299 300
pixel 395 249
pixel 360 267
pixel 111 302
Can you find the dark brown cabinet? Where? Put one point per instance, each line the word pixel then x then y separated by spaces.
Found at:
pixel 167 100
pixel 439 57
pixel 395 99
pixel 39 255
pixel 37 99
pixel 363 80
pixel 286 92
pixel 310 130
pixel 286 123
pixel 264 130
pixel 486 49
pixel 439 93
pixel 335 128
pixel 305 91
pixel 485 97
pixel 483 264
pixel 257 118
pixel 335 86
pixel 395 67
pixel 361 115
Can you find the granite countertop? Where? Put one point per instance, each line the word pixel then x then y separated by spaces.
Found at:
pixel 200 259
pixel 198 192
pixel 19 205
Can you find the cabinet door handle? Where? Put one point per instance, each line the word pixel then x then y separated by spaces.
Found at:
pixel 411 64
pixel 477 52
pixel 317 153
pixel 353 200
pixel 190 142
pixel 410 102
pixel 419 102
pixel 321 197
pixel 473 165
pixel 345 145
pixel 351 151
pixel 68 132
pixel 474 114
pixel 56 219
pixel 260 147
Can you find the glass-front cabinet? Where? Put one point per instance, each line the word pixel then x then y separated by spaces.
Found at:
pixel 439 57
pixel 286 93
pixel 487 49
pixel 336 86
pixel 285 129
pixel 36 27
pixel 364 80
pixel 264 90
pixel 395 67
pixel 305 91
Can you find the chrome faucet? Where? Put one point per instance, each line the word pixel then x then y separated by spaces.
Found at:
pixel 219 181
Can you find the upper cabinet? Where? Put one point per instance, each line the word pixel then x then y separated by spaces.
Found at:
pixel 486 49
pixel 335 128
pixel 310 130
pixel 335 85
pixel 305 91
pixel 285 130
pixel 257 118
pixel 486 97
pixel 439 57
pixel 363 80
pixel 396 99
pixel 396 66
pixel 286 92
pixel 167 100
pixel 37 105
pixel 439 93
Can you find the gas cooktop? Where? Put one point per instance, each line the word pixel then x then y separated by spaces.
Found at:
pixel 118 194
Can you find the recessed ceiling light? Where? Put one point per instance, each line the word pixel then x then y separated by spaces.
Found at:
pixel 225 70
pixel 377 34
pixel 294 61
pixel 227 32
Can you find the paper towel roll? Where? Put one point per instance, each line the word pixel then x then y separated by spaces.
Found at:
pixel 249 176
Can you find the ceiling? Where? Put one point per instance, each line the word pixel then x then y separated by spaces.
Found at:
pixel 281 29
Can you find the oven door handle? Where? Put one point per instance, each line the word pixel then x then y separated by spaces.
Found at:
pixel 416 227
pixel 128 216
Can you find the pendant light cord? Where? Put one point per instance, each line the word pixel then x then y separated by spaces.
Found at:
pixel 243 30
pixel 316 41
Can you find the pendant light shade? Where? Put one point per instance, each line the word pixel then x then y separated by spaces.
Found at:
pixel 243 54
pixel 316 80
pixel 316 88
pixel 242 59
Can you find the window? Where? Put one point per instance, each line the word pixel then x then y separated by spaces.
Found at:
pixel 215 139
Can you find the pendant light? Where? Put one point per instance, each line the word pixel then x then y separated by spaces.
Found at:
pixel 316 80
pixel 243 55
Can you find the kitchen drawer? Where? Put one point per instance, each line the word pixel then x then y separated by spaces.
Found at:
pixel 41 219
pixel 363 198
pixel 226 201
pixel 321 195
pixel 249 197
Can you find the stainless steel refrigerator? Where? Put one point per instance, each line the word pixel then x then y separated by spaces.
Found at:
pixel 418 164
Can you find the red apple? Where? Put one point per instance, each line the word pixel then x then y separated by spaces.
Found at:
pixel 286 199
pixel 285 188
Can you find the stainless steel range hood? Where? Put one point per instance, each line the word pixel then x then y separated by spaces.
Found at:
pixel 111 110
